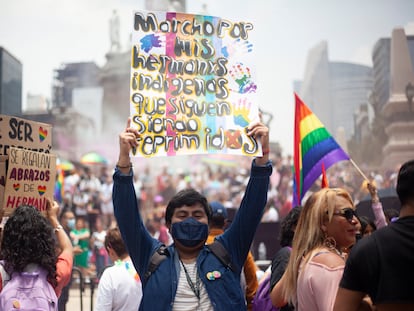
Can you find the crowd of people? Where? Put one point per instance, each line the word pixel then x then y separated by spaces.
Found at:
pixel 88 199
pixel 165 236
pixel 88 189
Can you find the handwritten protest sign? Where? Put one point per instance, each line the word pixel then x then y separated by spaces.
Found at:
pixel 23 134
pixel 18 132
pixel 30 179
pixel 193 87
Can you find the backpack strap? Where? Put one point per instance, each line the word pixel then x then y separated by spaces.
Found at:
pixel 4 276
pixel 159 256
pixel 162 252
pixel 221 253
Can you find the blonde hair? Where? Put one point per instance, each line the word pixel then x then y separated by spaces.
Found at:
pixel 309 236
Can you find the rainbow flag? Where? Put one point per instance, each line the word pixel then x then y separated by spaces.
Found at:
pixel 313 147
pixel 59 191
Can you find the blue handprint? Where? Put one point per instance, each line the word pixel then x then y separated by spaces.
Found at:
pixel 236 48
pixel 150 41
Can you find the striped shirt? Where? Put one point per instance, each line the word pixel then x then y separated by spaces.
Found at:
pixel 185 298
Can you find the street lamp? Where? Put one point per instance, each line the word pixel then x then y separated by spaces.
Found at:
pixel 409 92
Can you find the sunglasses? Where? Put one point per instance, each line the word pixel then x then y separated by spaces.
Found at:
pixel 347 213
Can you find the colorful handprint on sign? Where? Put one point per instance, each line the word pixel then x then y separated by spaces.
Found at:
pixel 149 42
pixel 241 111
pixel 236 48
pixel 241 75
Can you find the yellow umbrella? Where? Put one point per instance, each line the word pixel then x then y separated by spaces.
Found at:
pixel 65 165
pixel 93 158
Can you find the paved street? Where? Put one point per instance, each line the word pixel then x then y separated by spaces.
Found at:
pixel 75 302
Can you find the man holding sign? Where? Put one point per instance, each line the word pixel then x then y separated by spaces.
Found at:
pixel 190 276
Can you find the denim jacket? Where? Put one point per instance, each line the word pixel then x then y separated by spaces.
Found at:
pixel 159 290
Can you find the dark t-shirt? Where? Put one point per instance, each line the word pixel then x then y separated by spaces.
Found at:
pixel 382 265
pixel 279 264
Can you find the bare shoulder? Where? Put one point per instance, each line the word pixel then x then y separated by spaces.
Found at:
pixel 329 259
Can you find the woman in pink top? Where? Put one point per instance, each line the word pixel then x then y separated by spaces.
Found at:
pixel 325 230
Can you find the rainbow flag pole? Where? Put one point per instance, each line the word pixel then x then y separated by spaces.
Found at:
pixel 313 146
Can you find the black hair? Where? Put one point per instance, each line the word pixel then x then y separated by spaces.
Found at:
pixel 218 221
pixel 28 237
pixel 405 183
pixel 365 221
pixel 64 212
pixel 391 213
pixel 287 226
pixel 186 197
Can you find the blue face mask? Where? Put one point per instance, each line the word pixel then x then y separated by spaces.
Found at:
pixel 71 223
pixel 189 232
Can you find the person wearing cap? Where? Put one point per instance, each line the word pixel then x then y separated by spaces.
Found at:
pixel 248 277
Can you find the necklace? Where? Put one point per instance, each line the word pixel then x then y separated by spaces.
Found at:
pixel 338 252
pixel 194 287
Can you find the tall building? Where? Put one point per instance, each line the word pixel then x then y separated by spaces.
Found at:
pixel 71 76
pixel 398 110
pixel 362 124
pixel 315 84
pixel 10 84
pixel 381 73
pixel 335 90
pixel 350 85
pixel 77 107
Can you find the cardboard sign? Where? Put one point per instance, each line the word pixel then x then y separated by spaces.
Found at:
pixel 30 179
pixel 193 87
pixel 26 134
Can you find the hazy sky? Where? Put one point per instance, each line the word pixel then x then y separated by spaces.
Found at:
pixel 43 34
